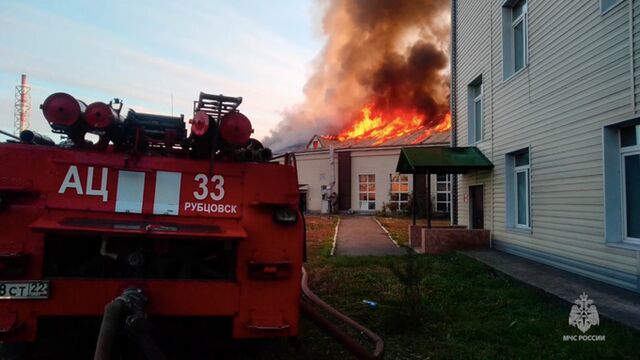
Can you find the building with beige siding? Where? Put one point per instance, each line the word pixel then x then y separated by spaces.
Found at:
pixel 548 91
pixel 360 176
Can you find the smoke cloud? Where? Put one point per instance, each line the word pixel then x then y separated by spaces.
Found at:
pixel 389 53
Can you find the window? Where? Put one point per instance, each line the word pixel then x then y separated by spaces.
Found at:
pixel 367 192
pixel 476 127
pixel 522 189
pixel 630 165
pixel 606 5
pixel 518 189
pixel 400 190
pixel 443 193
pixel 622 183
pixel 514 37
pixel 315 143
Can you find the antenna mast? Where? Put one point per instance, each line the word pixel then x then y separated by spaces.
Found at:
pixel 22 106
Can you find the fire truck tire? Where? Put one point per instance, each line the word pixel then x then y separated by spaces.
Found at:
pixel 13 351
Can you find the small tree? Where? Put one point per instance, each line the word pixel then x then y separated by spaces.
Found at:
pixel 410 273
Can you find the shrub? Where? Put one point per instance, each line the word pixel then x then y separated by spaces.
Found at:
pixel 410 273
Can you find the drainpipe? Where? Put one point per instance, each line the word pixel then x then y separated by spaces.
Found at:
pixel 428 200
pixel 332 184
pixel 415 199
pixel 454 108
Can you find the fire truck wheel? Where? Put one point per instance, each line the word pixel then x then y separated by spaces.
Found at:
pixel 14 351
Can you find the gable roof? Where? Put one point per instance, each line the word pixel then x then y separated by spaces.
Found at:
pixel 324 142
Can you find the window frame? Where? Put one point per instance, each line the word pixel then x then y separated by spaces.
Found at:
pixel 526 169
pixel 399 202
pixel 614 225
pixel 511 190
pixel 624 152
pixel 475 95
pixel 478 99
pixel 521 19
pixel 611 7
pixel 447 192
pixel 367 192
pixel 509 24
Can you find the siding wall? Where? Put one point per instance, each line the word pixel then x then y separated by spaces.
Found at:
pixel 314 170
pixel 474 60
pixel 577 80
pixel 635 12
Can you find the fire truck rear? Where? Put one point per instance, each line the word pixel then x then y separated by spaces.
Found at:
pixel 180 233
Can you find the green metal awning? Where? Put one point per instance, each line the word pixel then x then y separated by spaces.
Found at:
pixel 442 160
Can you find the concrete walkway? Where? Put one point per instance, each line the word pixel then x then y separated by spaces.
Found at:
pixel 361 235
pixel 612 302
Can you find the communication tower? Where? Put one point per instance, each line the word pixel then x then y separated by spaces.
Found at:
pixel 22 106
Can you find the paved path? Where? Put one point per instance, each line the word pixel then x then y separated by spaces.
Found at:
pixel 361 235
pixel 612 302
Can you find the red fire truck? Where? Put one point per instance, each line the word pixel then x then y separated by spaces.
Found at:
pixel 146 232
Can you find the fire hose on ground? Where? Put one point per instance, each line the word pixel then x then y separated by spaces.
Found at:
pixel 342 337
pixel 128 309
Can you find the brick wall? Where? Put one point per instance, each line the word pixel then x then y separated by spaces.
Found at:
pixel 442 240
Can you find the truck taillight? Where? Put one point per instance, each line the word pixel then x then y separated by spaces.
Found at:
pixel 269 270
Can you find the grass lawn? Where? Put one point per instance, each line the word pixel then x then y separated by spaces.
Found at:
pixel 468 311
pixel 398 227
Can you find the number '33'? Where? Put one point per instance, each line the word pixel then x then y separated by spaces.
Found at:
pixel 218 191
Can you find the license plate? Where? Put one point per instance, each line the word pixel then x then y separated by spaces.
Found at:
pixel 24 289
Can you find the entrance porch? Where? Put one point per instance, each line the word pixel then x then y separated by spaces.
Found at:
pixel 428 239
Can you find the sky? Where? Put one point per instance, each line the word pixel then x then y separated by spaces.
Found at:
pixel 148 52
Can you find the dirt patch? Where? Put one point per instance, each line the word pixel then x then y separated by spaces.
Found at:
pixel 320 228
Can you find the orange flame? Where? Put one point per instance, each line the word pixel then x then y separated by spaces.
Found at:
pixel 386 126
pixel 444 125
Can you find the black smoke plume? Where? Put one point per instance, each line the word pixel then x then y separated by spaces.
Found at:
pixel 389 53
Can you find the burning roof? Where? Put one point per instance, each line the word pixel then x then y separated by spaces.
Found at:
pixel 418 137
pixel 383 126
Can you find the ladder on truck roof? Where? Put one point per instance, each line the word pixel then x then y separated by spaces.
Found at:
pixel 216 106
